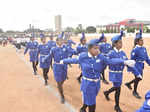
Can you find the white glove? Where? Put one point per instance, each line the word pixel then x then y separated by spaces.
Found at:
pixel 130 63
pixel 61 62
pixel 140 76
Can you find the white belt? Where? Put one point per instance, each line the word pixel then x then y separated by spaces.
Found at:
pixel 43 54
pixel 92 80
pixel 33 49
pixel 141 61
pixel 115 71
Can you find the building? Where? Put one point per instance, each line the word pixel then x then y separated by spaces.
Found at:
pixel 58 23
pixel 125 24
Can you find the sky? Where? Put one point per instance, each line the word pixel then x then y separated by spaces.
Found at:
pixel 18 14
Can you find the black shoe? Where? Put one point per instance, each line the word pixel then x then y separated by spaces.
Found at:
pixel 128 86
pixel 79 80
pixel 70 65
pixel 117 109
pixel 106 95
pixel 35 73
pixel 46 83
pixel 82 110
pixel 36 68
pixel 136 95
pixel 62 100
pixel 105 82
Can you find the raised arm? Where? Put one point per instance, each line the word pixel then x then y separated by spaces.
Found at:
pixel 113 61
pixel 71 61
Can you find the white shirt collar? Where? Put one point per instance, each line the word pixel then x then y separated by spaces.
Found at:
pixel 60 46
pixel 117 50
pixel 89 55
pixel 103 42
pixel 138 46
pixel 82 45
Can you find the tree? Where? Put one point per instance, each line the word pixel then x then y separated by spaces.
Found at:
pixel 79 30
pixel 69 29
pixel 10 31
pixel 91 29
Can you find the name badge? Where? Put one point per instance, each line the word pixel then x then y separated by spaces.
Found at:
pixel 64 49
pixel 98 60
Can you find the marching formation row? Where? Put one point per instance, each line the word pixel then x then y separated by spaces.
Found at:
pixel 93 57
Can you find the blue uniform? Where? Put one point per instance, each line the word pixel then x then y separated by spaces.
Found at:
pixel 70 50
pixel 70 42
pixel 139 54
pixel 105 48
pixel 91 69
pixel 33 47
pixel 82 48
pixel 146 104
pixel 60 70
pixel 51 43
pixel 116 72
pixel 44 50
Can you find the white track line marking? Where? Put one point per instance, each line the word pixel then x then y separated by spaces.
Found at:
pixel 49 87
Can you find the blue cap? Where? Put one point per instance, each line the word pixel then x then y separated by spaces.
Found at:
pixel 61 35
pixel 93 42
pixel 82 37
pixel 139 35
pixel 117 37
pixel 147 96
pixel 42 35
pixel 101 37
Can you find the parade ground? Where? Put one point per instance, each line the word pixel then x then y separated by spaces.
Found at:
pixel 21 91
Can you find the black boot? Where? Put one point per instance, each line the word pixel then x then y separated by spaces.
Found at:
pixel 62 99
pixel 82 110
pixel 117 109
pixel 105 81
pixel 35 73
pixel 79 78
pixel 106 94
pixel 136 95
pixel 46 83
pixel 128 86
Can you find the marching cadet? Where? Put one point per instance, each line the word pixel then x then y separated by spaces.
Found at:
pixel 116 72
pixel 43 51
pixel 60 70
pixel 18 44
pixel 51 44
pixel 69 41
pixel 139 54
pixel 82 47
pixel 32 46
pixel 104 48
pixel 91 63
pixel 146 104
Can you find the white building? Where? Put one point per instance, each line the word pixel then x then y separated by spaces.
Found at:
pixel 58 23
